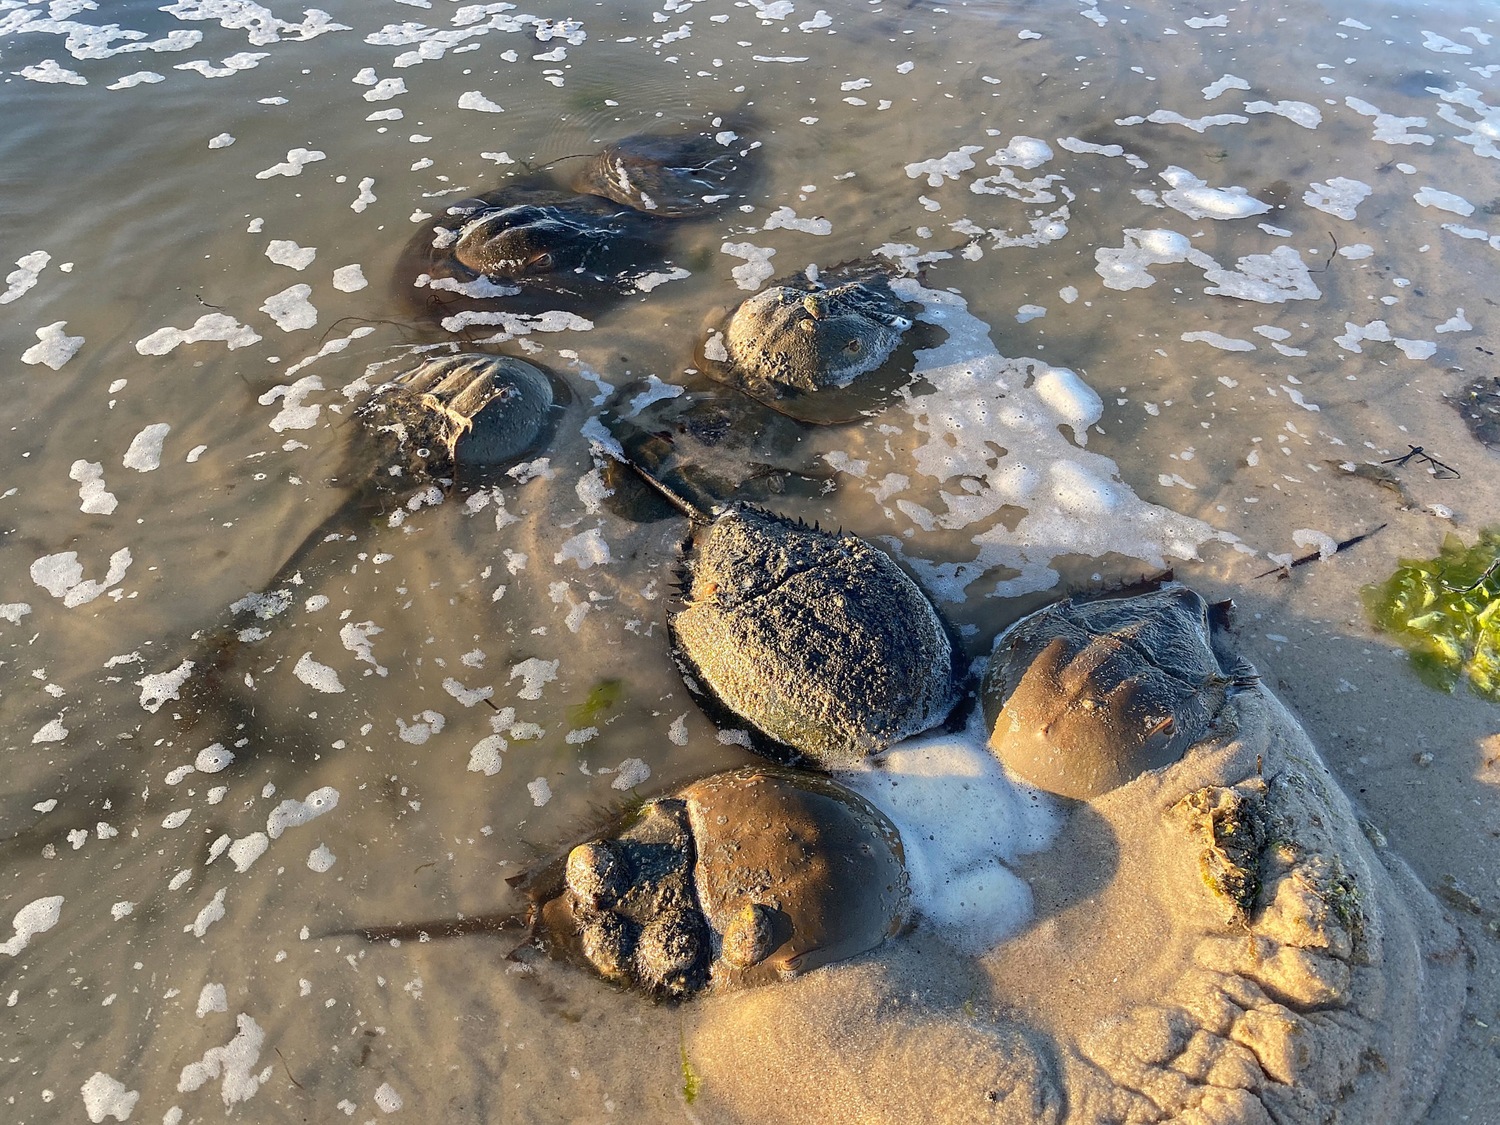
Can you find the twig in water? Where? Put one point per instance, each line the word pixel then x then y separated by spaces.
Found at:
pixel 1440 471
pixel 1285 571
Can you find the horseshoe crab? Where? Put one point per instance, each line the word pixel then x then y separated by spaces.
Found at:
pixel 819 348
pixel 671 176
pixel 1083 696
pixel 816 639
pixel 739 879
pixel 534 248
pixel 457 411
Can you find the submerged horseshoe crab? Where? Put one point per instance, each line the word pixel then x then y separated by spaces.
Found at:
pixel 1083 696
pixel 803 344
pixel 535 249
pixel 671 176
pixel 466 410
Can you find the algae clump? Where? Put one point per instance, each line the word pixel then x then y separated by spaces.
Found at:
pixel 1446 611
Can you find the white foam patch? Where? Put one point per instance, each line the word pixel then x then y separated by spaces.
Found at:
pixel 349 279
pixel 1271 278
pixel 1223 343
pixel 366 195
pixel 36 917
pixel 262 26
pixel 1355 335
pixel 387 1099
pixel 24 276
pixel 210 326
pixel 212 998
pixel 94 498
pixel 243 60
pixel 285 252
pixel 1228 82
pixel 1444 201
pixel 534 674
pixel 1196 124
pixel 1339 197
pixel 14 611
pixel 1299 113
pixel 587 549
pixel 293 813
pixel 296 160
pixel 49 71
pixel 1073 500
pixel 212 759
pixel 61 575
pixel 757 268
pixel 319 677
pixel 784 218
pixel 962 821
pixel 291 309
pixel 105 1096
pixel 1455 323
pixel 1075 144
pixel 55 347
pixel 1389 128
pixel 320 859
pixel 540 791
pixel 1195 199
pixel 144 453
pixel 475 100
pixel 1485 132
pixel 422 727
pixel 139 78
pixel 945 167
pixel 247 849
pixel 485 756
pixel 385 90
pixel 236 1061
pixel 517 324
pixel 630 773
pixel 221 140
pixel 295 412
pixel 159 687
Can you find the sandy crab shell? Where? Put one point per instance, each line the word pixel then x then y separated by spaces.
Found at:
pixel 818 640
pixel 671 176
pixel 741 878
pixel 1083 696
pixel 466 410
pixel 821 350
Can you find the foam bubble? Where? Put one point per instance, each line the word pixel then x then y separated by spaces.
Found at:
pixel 319 677
pixel 55 347
pixel 36 917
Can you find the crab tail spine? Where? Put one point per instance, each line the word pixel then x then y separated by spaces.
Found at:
pixel 652 458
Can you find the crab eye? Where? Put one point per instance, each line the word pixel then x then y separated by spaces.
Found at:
pixel 852 347
pixel 808 325
pixel 540 262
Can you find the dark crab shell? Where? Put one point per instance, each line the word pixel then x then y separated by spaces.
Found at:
pixel 461 411
pixel 822 350
pixel 739 879
pixel 670 175
pixel 817 640
pixel 1083 696
pixel 526 248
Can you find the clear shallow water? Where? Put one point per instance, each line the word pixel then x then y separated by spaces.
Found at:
pixel 971 133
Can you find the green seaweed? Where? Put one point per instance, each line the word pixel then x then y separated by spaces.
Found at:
pixel 690 1080
pixel 602 696
pixel 1446 612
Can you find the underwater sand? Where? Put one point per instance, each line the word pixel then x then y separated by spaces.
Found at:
pixel 1188 268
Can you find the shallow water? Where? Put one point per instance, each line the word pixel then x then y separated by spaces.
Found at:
pixel 1129 370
